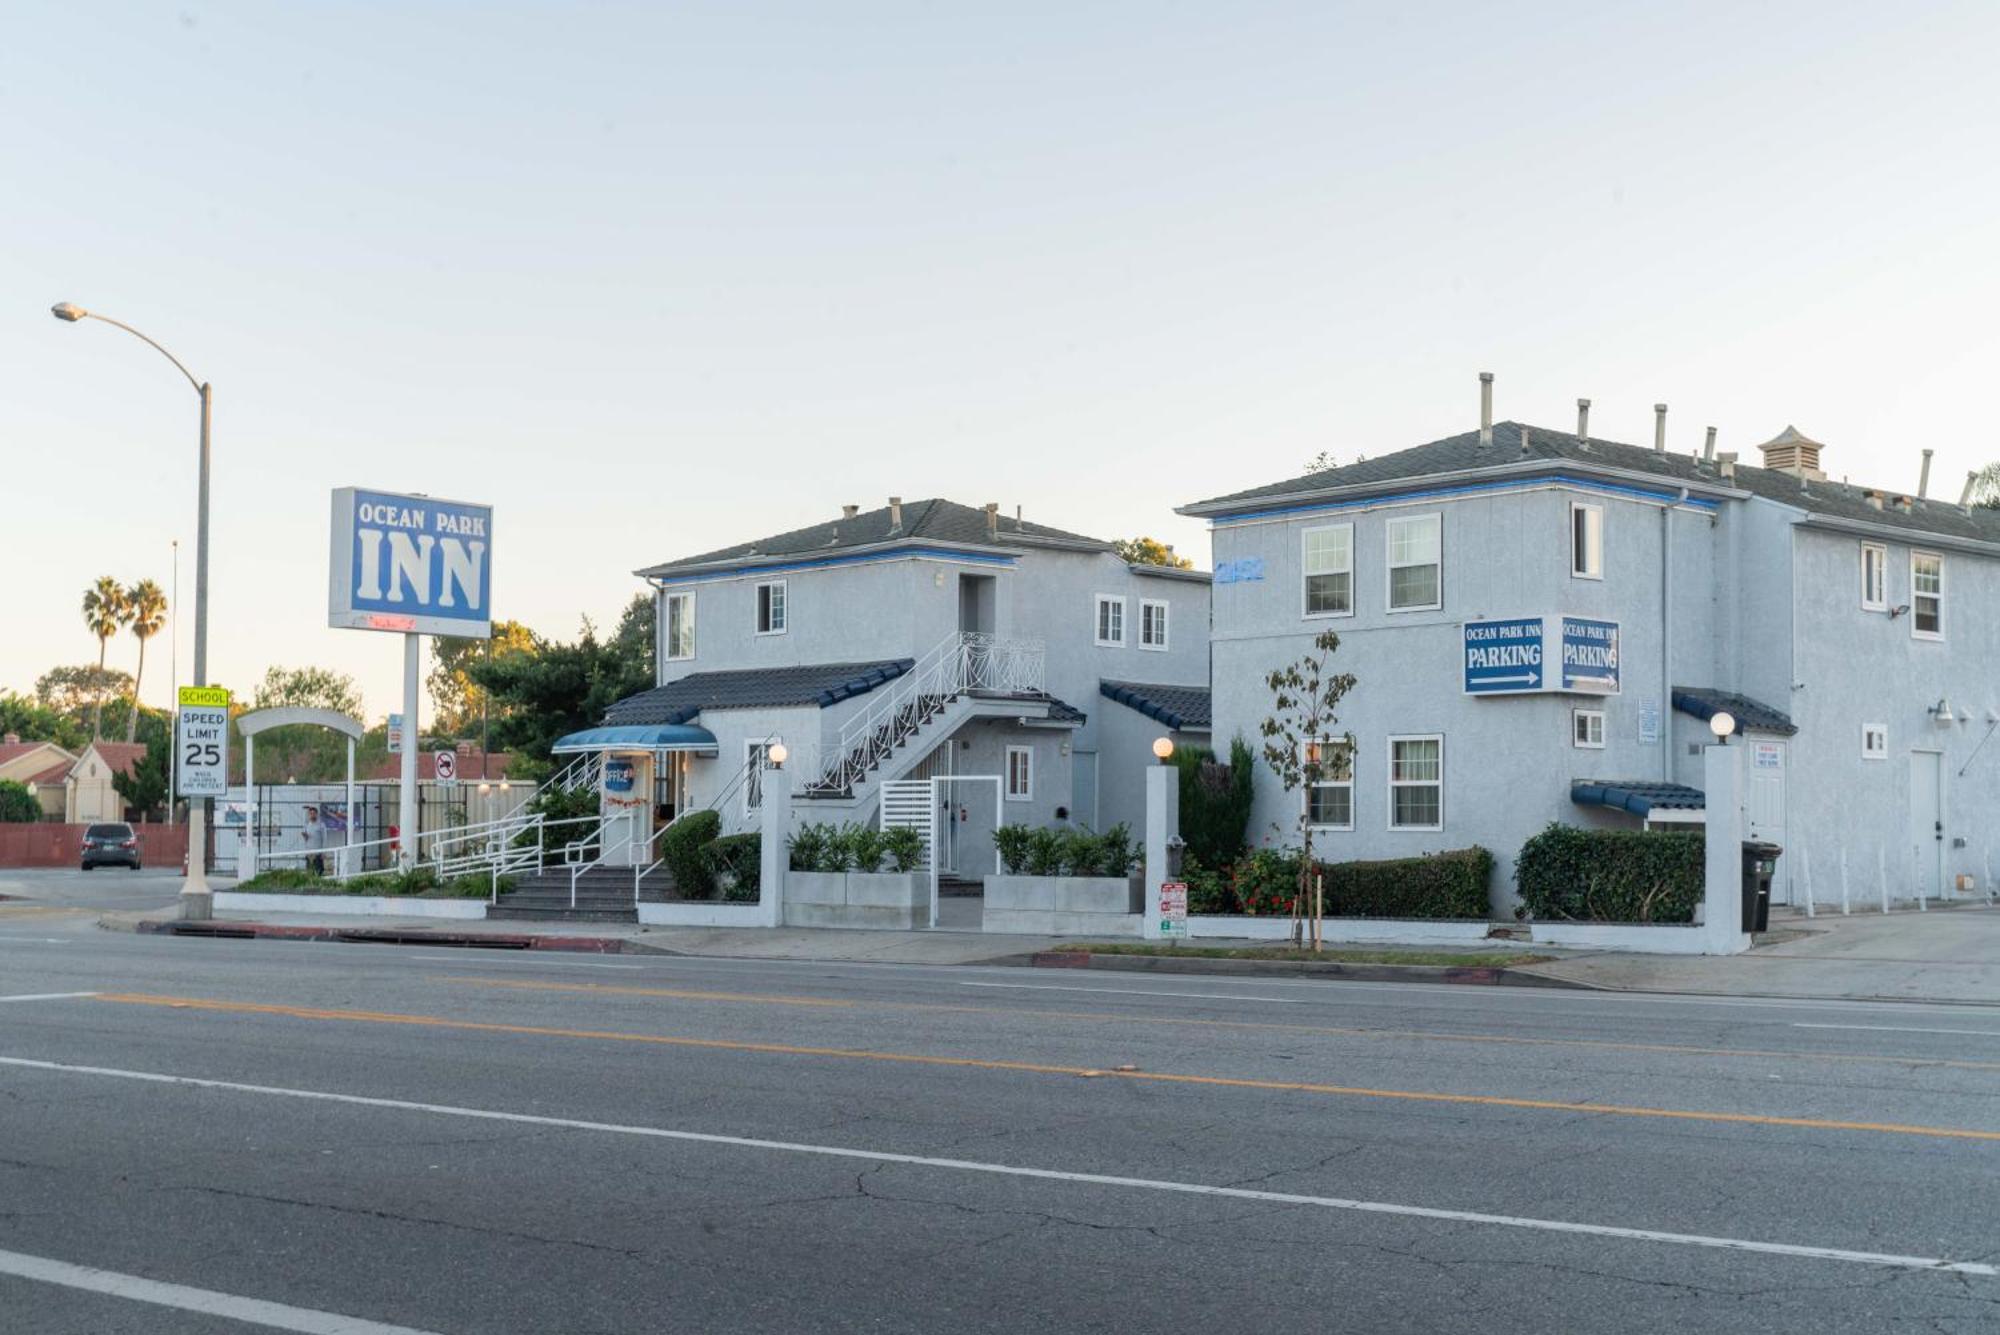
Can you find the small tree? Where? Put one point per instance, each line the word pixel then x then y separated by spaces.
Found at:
pixel 145 789
pixel 17 802
pixel 1302 749
pixel 1150 552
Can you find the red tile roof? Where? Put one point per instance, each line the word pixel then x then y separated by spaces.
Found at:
pixel 15 750
pixel 54 774
pixel 118 757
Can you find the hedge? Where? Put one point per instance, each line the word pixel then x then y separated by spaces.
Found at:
pixel 1215 801
pixel 829 848
pixel 742 854
pixel 419 882
pixel 681 848
pixel 1452 884
pixel 1611 875
pixel 1026 851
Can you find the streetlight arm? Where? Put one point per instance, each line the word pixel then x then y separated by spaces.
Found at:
pixel 93 315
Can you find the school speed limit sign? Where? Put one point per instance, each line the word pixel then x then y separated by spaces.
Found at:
pixel 201 743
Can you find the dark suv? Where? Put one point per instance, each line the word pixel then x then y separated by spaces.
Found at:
pixel 110 846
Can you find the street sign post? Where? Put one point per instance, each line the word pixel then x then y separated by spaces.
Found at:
pixel 444 764
pixel 1173 910
pixel 201 742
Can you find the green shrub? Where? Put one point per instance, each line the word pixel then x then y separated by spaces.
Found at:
pixel 865 848
pixel 1210 889
pixel 808 848
pixel 420 881
pixel 560 806
pixel 682 849
pixel 1437 885
pixel 1266 881
pixel 904 848
pixel 287 880
pixel 1215 801
pixel 18 803
pixel 736 862
pixel 1048 852
pixel 1011 843
pixel 1611 875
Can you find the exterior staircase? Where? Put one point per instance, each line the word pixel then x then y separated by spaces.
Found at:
pixel 603 894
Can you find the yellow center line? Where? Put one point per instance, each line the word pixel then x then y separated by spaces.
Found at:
pixel 1040 1068
pixel 1103 1017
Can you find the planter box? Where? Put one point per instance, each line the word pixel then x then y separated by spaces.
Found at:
pixel 1353 931
pixel 701 913
pixel 378 906
pixel 881 901
pixel 1063 905
pixel 1644 937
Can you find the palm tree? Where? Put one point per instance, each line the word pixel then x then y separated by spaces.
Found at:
pixel 148 609
pixel 104 611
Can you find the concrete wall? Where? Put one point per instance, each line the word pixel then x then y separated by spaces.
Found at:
pixel 1125 738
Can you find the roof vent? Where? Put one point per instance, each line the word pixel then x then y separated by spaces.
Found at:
pixel 1792 452
pixel 1524 438
pixel 1725 463
pixel 849 511
pixel 1485 407
pixel 1583 423
pixel 992 519
pixel 1659 428
pixel 1708 450
pixel 1872 498
pixel 1965 497
pixel 895 514
pixel 1924 478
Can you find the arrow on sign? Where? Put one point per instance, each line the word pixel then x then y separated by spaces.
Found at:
pixel 1531 678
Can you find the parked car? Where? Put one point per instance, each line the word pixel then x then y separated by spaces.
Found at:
pixel 110 845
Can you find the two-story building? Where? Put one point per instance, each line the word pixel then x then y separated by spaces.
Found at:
pixel 1542 626
pixel 1013 661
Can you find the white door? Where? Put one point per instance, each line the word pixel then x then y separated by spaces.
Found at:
pixel 1764 808
pixel 1926 822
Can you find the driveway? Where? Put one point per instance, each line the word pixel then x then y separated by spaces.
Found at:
pixel 25 889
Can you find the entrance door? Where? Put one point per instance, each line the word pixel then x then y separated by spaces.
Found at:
pixel 1927 821
pixel 1764 808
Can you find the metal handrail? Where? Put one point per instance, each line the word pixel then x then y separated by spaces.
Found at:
pixel 639 874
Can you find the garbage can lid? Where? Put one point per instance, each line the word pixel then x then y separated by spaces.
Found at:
pixel 1761 848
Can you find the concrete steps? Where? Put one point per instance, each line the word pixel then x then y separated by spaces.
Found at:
pixel 603 894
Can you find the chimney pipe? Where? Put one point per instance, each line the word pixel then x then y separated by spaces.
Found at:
pixel 992 519
pixel 1524 439
pixel 1726 465
pixel 895 514
pixel 1659 428
pixel 1017 517
pixel 849 511
pixel 1485 407
pixel 1965 497
pixel 1924 478
pixel 1583 422
pixel 14 738
pixel 1708 450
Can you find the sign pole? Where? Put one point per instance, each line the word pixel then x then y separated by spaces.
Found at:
pixel 406 856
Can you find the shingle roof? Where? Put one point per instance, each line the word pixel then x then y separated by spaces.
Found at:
pixel 931 520
pixel 1182 708
pixel 1462 453
pixel 1641 797
pixel 1063 712
pixel 820 684
pixel 1705 702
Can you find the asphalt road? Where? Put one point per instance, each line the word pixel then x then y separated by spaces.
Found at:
pixel 483 1141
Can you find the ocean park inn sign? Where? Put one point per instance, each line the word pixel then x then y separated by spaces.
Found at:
pixel 414 564
pixel 1533 655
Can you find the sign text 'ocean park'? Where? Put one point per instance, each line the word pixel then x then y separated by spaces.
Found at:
pixel 411 564
pixel 1536 654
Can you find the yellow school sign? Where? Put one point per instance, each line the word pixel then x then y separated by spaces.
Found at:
pixel 204 697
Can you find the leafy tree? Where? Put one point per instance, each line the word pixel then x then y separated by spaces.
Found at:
pixel 542 692
pixel 460 702
pixel 1302 749
pixel 1150 552
pixel 1322 462
pixel 1986 487
pixel 148 613
pixel 148 788
pixel 307 753
pixel 1215 801
pixel 74 692
pixel 17 803
pixel 104 611
pixel 34 721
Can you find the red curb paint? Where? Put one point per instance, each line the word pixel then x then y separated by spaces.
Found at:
pixel 599 945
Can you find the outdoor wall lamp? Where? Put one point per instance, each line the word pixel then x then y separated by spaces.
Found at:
pixel 779 755
pixel 1941 713
pixel 1722 723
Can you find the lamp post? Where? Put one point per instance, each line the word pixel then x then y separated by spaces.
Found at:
pixel 196 900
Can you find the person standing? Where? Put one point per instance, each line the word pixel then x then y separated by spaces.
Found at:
pixel 314 835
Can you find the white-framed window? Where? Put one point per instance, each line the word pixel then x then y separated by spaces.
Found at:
pixel 679 629
pixel 1330 802
pixel 1586 728
pixel 1874 577
pixel 1152 624
pixel 1110 621
pixel 1874 741
pixel 1926 595
pixel 1586 540
pixel 1416 563
pixel 1020 773
pixel 771 608
pixel 1328 562
pixel 756 757
pixel 1416 783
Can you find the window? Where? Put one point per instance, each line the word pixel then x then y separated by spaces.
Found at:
pixel 771 608
pixel 680 626
pixel 1926 596
pixel 1329 567
pixel 1416 567
pixel 1874 577
pixel 1416 783
pixel 1874 741
pixel 1110 621
pixel 1330 801
pixel 756 758
pixel 1586 728
pixel 1586 540
pixel 1152 624
pixel 1020 773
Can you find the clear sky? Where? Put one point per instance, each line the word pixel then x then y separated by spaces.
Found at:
pixel 654 278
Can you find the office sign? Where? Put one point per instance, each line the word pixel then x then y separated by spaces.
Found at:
pixel 201 742
pixel 411 564
pixel 1541 655
pixel 621 783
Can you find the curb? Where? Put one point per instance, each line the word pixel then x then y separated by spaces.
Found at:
pixel 595 945
pixel 1480 975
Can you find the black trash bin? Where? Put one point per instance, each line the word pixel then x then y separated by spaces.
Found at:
pixel 1760 863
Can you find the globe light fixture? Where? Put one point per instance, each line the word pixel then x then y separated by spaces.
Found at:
pixel 1162 748
pixel 779 755
pixel 1722 723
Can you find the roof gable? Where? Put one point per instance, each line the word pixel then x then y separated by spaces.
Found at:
pixel 936 521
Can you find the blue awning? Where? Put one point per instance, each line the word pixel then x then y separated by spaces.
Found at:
pixel 1638 797
pixel 639 737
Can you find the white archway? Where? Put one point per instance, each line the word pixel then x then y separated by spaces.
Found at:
pixel 263 720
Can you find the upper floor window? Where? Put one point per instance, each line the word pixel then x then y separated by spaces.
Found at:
pixel 1874 577
pixel 1416 564
pixel 771 608
pixel 1586 540
pixel 1927 595
pixel 1111 620
pixel 1152 624
pixel 1330 799
pixel 680 626
pixel 1329 567
pixel 1416 783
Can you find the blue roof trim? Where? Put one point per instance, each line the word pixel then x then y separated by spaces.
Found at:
pixel 1638 797
pixel 638 737
pixel 823 562
pixel 1472 489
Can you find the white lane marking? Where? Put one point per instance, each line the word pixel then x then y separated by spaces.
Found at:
pixel 47 996
pixel 253 1311
pixel 1889 1259
pixel 1145 992
pixel 483 958
pixel 37 940
pixel 1901 1029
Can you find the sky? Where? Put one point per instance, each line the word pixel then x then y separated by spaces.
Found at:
pixel 651 279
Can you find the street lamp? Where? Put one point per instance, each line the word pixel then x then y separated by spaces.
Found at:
pixel 1163 747
pixel 1722 723
pixel 196 900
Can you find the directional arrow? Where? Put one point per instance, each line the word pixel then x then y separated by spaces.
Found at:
pixel 1531 678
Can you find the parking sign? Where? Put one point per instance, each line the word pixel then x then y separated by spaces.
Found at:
pixel 1173 908
pixel 201 742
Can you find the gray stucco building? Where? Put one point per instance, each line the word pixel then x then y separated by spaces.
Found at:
pixel 1542 624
